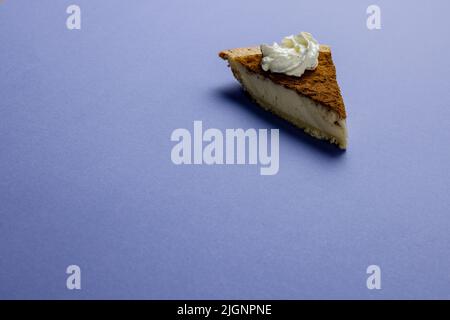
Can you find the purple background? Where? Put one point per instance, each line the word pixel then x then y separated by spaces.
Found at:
pixel 86 176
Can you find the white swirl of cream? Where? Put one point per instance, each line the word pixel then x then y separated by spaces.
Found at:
pixel 295 55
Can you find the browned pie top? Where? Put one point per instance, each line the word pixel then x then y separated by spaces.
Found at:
pixel 320 84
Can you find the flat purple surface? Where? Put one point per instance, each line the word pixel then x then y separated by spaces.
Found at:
pixel 86 176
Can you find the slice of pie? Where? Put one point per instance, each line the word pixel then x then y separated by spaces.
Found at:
pixel 312 102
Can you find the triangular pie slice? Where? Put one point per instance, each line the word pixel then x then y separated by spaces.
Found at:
pixel 312 102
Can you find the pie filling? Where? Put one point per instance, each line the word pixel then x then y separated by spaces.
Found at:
pixel 316 119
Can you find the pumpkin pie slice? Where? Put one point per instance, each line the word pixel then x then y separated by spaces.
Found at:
pixel 312 102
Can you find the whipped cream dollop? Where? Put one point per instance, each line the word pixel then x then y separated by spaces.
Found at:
pixel 293 56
